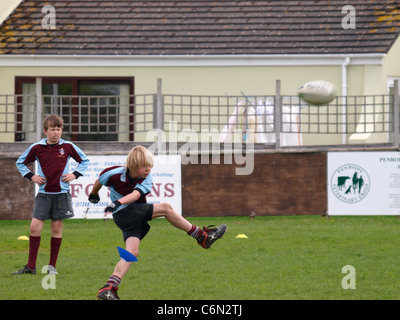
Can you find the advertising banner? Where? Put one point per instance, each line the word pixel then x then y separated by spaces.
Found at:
pixel 363 183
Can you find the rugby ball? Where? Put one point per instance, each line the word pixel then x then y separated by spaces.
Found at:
pixel 317 92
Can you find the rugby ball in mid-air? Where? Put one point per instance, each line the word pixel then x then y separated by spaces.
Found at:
pixel 317 92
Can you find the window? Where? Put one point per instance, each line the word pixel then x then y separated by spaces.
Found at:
pixel 93 109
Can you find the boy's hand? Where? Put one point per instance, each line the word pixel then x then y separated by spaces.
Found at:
pixel 94 198
pixel 112 207
pixel 68 177
pixel 38 179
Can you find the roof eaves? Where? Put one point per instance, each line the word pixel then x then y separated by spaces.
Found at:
pixel 189 60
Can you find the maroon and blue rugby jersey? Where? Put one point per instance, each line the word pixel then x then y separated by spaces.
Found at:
pixel 52 163
pixel 121 184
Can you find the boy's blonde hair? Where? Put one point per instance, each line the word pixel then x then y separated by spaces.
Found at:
pixel 137 157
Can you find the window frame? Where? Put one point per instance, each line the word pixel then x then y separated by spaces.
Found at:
pixel 76 81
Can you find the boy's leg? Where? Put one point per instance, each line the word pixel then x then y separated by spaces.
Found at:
pixel 109 291
pixel 56 228
pixel 165 210
pixel 61 208
pixel 205 237
pixel 122 267
pixel 34 241
pixel 36 227
pixel 55 242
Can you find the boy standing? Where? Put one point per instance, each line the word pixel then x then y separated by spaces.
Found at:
pixel 129 186
pixel 53 200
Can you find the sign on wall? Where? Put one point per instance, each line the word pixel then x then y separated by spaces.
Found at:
pixel 166 184
pixel 363 183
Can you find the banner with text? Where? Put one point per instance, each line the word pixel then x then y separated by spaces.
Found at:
pixel 166 184
pixel 363 183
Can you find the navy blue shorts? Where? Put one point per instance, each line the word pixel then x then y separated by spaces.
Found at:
pixel 132 220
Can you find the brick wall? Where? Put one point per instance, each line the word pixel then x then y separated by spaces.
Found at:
pixel 281 184
pixel 16 192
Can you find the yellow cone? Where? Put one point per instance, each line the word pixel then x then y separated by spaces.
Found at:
pixel 23 238
pixel 241 236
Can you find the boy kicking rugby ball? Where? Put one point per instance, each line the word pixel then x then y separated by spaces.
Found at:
pixel 129 186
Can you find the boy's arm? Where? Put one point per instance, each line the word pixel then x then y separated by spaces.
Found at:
pixel 94 194
pixel 26 158
pixel 83 161
pixel 96 187
pixel 129 198
pixel 140 189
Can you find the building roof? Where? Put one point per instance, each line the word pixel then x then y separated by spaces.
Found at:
pixel 200 27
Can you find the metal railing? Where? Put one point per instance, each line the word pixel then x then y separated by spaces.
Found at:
pixel 274 120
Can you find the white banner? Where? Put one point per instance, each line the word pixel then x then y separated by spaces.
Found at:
pixel 167 186
pixel 363 183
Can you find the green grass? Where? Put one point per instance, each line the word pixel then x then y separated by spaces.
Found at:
pixel 287 257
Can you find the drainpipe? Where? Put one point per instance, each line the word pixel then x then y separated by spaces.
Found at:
pixel 39 110
pixel 344 98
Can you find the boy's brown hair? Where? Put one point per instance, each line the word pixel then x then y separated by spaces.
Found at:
pixel 53 121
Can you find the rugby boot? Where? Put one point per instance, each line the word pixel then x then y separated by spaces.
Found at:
pixel 24 270
pixel 108 292
pixel 209 236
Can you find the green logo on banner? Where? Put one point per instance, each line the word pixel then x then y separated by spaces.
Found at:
pixel 350 183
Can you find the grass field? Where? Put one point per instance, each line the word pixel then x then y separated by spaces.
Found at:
pixel 286 257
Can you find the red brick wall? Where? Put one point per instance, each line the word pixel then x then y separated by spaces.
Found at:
pixel 16 192
pixel 281 184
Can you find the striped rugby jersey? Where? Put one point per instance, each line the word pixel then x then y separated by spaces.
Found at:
pixel 121 184
pixel 52 163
